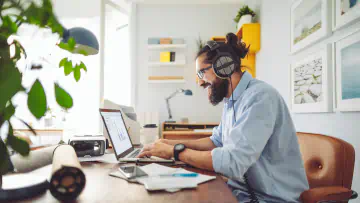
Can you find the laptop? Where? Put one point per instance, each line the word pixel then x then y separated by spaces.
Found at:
pixel 123 148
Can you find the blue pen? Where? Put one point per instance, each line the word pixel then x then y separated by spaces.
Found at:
pixel 180 175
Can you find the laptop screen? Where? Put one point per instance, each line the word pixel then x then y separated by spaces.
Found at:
pixel 117 131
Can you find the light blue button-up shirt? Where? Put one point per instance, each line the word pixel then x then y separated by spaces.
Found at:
pixel 262 142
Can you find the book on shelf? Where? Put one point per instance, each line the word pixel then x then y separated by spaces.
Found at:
pixel 166 77
pixel 165 41
pixel 172 56
pixel 165 56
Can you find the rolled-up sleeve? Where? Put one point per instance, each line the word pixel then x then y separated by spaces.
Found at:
pixel 216 136
pixel 248 137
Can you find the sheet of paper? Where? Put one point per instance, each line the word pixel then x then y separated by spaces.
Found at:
pixel 106 158
pixel 157 169
pixel 170 184
pixel 154 182
pixel 199 179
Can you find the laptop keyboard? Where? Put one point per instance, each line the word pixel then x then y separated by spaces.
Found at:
pixel 134 154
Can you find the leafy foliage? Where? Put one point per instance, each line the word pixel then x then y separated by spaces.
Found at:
pixel 245 10
pixel 42 15
pixel 200 43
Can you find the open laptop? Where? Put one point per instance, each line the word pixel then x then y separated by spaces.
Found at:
pixel 120 139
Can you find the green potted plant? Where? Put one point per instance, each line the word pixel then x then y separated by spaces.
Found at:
pixel 244 15
pixel 200 43
pixel 14 13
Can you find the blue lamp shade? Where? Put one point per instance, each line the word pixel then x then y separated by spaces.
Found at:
pixel 188 92
pixel 85 40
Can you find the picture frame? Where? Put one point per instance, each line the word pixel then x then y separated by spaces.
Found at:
pixel 347 72
pixel 345 12
pixel 310 22
pixel 312 82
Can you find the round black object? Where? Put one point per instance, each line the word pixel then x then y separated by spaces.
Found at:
pixel 61 189
pixel 24 193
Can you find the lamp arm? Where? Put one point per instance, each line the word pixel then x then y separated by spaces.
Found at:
pixel 172 95
pixel 168 107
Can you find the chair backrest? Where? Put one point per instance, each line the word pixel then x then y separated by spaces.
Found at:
pixel 328 161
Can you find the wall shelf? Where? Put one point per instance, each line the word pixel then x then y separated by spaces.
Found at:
pixel 166 46
pixel 162 64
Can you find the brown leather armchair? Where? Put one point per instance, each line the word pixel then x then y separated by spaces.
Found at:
pixel 329 165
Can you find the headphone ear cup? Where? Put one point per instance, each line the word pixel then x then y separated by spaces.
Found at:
pixel 224 66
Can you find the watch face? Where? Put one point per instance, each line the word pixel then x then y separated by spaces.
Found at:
pixel 179 147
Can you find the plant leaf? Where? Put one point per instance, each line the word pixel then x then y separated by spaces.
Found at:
pixel 62 97
pixel 62 62
pixel 10 83
pixel 9 25
pixel 68 68
pixel 64 46
pixel 27 125
pixel 17 144
pixel 82 66
pixel 71 43
pixel 37 100
pixel 8 112
pixel 77 73
pixel 4 157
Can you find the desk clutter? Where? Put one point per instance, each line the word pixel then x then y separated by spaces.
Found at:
pixel 161 177
pixel 63 175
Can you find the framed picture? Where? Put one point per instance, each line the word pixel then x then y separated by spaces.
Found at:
pixel 311 83
pixel 348 73
pixel 345 12
pixel 310 22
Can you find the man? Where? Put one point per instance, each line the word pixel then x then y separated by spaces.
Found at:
pixel 256 138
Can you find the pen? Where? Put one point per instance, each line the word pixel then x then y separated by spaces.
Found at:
pixel 180 175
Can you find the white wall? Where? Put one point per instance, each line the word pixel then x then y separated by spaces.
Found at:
pixel 273 66
pixel 185 21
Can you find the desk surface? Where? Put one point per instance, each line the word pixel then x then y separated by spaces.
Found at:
pixel 100 187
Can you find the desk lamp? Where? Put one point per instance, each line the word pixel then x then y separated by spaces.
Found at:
pixel 85 40
pixel 186 92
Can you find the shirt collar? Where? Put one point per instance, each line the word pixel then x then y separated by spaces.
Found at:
pixel 241 86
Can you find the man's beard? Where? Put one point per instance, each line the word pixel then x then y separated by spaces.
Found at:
pixel 219 90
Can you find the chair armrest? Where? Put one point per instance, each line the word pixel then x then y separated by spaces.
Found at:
pixel 333 193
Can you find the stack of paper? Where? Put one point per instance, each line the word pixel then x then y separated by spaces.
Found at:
pixel 171 184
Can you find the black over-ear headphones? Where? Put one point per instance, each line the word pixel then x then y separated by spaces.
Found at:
pixel 224 64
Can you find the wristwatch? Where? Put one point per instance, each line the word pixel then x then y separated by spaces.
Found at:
pixel 177 149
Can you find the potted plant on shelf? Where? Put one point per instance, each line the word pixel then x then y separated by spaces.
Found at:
pixel 49 117
pixel 244 15
pixel 200 43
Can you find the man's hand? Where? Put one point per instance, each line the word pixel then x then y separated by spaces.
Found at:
pixel 159 149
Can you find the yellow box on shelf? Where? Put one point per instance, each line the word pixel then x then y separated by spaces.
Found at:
pixel 248 64
pixel 250 34
pixel 165 56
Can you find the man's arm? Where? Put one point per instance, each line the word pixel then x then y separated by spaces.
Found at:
pixel 203 144
pixel 198 159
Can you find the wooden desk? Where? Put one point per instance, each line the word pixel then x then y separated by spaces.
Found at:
pixel 100 187
pixel 186 131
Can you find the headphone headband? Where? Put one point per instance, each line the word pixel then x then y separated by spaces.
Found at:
pixel 212 45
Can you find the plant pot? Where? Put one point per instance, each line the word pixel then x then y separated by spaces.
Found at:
pixel 245 19
pixel 48 122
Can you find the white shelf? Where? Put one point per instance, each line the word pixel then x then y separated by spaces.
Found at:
pixel 160 64
pixel 166 46
pixel 165 81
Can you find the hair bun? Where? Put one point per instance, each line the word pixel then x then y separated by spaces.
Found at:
pixel 239 47
pixel 231 39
